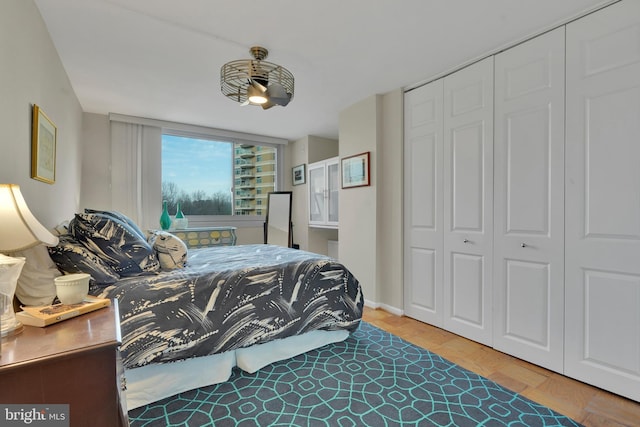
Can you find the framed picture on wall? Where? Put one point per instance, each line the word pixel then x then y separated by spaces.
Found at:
pixel 43 147
pixel 298 175
pixel 355 170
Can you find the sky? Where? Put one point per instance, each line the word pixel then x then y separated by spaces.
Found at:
pixel 197 164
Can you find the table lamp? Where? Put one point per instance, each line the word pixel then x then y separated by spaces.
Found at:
pixel 19 230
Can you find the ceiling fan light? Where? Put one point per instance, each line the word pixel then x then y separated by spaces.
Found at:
pixel 256 93
pixel 258 99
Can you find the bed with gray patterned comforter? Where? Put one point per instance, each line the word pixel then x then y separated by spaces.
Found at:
pixel 232 297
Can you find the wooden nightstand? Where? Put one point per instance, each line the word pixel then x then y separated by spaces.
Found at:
pixel 76 362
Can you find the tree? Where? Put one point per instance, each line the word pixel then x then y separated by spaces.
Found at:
pixel 197 202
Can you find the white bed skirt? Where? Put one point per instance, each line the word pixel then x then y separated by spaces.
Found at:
pixel 154 382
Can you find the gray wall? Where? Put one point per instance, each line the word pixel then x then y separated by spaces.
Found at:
pixel 31 73
pixel 370 242
pixel 390 172
pixel 360 132
pixel 95 192
pixel 309 149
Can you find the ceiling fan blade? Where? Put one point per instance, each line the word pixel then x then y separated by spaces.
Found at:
pixel 257 85
pixel 281 101
pixel 278 95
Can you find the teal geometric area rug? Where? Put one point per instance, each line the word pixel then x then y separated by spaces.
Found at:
pixel 371 379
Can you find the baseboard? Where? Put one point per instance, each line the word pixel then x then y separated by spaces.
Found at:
pixel 388 308
pixel 392 310
pixel 371 304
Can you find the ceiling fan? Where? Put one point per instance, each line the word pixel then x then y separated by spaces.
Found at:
pixel 257 82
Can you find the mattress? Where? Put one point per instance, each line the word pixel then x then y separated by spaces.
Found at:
pixel 154 382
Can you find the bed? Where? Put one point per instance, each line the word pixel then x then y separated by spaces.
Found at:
pixel 188 318
pixel 244 306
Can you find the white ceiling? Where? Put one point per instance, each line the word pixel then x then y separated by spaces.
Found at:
pixel 161 58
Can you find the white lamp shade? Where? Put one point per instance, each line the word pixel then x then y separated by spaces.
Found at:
pixel 19 229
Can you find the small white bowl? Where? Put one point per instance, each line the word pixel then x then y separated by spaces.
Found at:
pixel 72 288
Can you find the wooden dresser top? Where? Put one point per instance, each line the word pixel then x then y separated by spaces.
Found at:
pixel 98 329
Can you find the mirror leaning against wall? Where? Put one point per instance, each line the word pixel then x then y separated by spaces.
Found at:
pixel 278 229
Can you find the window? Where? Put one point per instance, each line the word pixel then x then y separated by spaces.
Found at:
pixel 211 177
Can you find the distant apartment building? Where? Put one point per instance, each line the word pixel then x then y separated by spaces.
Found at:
pixel 254 169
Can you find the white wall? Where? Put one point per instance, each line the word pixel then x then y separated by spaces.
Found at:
pixel 359 132
pixel 96 162
pixel 296 154
pixel 370 242
pixel 389 227
pixel 31 73
pixel 321 148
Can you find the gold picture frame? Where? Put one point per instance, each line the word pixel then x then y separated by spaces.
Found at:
pixel 44 135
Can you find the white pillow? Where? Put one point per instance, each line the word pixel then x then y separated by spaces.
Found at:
pixel 171 251
pixel 35 284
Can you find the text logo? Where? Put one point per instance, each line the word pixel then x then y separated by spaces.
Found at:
pixel 34 415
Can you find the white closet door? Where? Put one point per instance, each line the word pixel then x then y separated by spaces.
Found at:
pixel 423 203
pixel 602 263
pixel 529 201
pixel 468 201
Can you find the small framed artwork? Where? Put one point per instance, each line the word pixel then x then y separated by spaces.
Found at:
pixel 298 175
pixel 355 170
pixel 43 147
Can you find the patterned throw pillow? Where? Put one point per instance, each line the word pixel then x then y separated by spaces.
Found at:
pixel 171 251
pixel 119 216
pixel 115 243
pixel 71 256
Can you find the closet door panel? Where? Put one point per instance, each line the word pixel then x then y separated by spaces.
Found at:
pixel 527 291
pixel 527 175
pixel 604 290
pixel 468 201
pixel 612 164
pixel 423 204
pixel 467 289
pixel 602 345
pixel 467 178
pixel 529 205
pixel 423 269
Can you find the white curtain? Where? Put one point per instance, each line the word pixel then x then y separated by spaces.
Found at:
pixel 136 174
